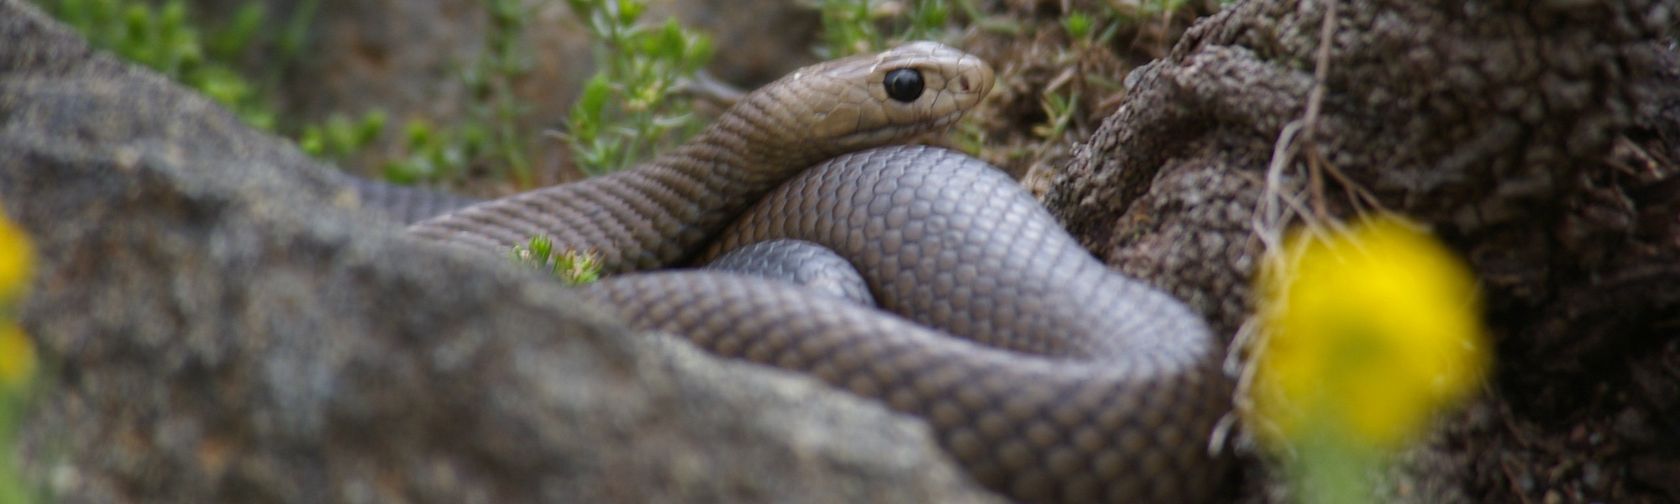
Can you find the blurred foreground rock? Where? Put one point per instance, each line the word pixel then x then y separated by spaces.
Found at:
pixel 222 326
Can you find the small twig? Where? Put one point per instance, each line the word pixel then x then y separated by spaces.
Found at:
pixel 1111 104
pixel 1315 179
pixel 1060 80
pixel 1279 205
pixel 1166 27
pixel 1315 107
pixel 1355 192
pixel 1297 135
pixel 702 85
pixel 1321 70
pixel 1505 467
pixel 1316 163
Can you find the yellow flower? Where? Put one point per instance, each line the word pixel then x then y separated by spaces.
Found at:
pixel 1369 334
pixel 17 260
pixel 17 356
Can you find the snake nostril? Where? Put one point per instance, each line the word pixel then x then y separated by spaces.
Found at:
pixel 964 85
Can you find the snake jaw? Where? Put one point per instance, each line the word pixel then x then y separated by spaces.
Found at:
pixel 889 135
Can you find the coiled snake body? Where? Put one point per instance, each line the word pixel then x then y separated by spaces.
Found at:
pixel 1069 382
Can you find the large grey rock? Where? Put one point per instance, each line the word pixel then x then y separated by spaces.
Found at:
pixel 222 325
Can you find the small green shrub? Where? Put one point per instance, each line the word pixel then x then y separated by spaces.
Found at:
pixel 489 134
pixel 1059 109
pixel 435 153
pixel 341 136
pixel 495 107
pixel 15 397
pixel 571 266
pixel 161 38
pixel 861 26
pixel 630 109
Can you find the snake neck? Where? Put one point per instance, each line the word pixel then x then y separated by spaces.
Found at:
pixel 661 212
pixel 675 203
pixel 653 215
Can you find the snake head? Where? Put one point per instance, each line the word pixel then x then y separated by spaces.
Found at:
pixel 876 99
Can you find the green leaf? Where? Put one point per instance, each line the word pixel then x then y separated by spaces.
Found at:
pixel 403 172
pixel 582 8
pixel 669 43
pixel 295 38
pixel 699 53
pixel 418 133
pixel 593 101
pixel 1077 24
pixel 507 11
pixel 929 16
pixel 542 247
pixel 233 40
pixel 629 11
pixel 371 126
pixel 312 142
pixel 341 135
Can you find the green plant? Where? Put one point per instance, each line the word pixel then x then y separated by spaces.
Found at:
pixel 1059 109
pixel 294 35
pixel 860 26
pixel 340 136
pixel 571 266
pixel 489 135
pixel 435 153
pixel 1148 9
pixel 161 38
pixel 628 110
pixel 1078 25
pixel 16 370
pixel 490 80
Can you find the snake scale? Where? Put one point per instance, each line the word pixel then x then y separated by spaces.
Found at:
pixel 1045 375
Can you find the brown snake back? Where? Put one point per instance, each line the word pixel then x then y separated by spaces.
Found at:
pixel 1074 383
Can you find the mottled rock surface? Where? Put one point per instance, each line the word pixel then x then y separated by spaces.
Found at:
pixel 1537 138
pixel 221 325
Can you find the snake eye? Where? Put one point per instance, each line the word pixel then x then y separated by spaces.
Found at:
pixel 904 84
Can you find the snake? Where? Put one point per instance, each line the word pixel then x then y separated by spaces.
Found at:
pixel 1043 374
